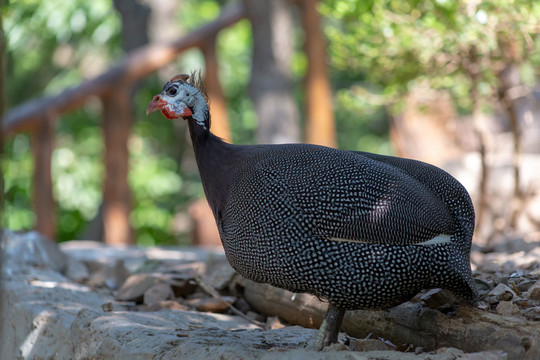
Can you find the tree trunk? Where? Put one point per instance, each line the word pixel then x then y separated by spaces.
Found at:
pixel 44 207
pixel 3 224
pixel 509 78
pixel 320 127
pixel 470 329
pixel 218 109
pixel 509 81
pixel 271 81
pixel 135 16
pixel 472 68
pixel 117 123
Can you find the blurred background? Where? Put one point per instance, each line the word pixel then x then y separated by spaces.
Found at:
pixel 453 83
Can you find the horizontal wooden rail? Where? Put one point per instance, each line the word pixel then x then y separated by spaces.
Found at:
pixel 137 65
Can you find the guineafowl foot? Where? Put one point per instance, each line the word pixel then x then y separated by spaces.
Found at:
pixel 329 330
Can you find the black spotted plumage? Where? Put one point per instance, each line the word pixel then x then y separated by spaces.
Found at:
pixel 287 202
pixel 357 229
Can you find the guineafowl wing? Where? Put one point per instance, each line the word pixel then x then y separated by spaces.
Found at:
pixel 450 191
pixel 310 191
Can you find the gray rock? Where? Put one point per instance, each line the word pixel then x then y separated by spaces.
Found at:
pixel 34 249
pixel 76 270
pixel 157 293
pixel 136 285
pixel 502 292
pixel 508 308
pixel 220 275
pixel 532 313
pixel 534 291
pixel 524 285
pixel 438 298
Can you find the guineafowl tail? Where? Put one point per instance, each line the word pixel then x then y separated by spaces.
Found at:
pixel 455 273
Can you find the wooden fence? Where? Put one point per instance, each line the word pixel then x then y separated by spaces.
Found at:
pixel 38 118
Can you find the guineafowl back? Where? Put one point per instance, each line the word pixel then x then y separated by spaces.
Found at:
pixel 361 230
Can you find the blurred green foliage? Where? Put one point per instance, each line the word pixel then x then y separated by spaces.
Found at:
pixel 398 44
pixel 378 50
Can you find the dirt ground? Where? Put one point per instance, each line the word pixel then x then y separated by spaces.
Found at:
pixel 86 300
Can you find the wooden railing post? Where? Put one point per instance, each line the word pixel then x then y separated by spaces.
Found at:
pixel 319 109
pixel 218 109
pixel 117 122
pixel 43 202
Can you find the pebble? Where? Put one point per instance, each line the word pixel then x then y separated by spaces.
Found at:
pixel 437 298
pixel 219 275
pixel 534 291
pixel 532 313
pixel 107 307
pixel 273 323
pixel 135 286
pixel 157 293
pixel 507 308
pixel 502 292
pixel 524 285
pixel 184 287
pixel 208 304
pixel 76 270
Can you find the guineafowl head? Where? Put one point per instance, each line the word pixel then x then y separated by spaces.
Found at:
pixel 182 99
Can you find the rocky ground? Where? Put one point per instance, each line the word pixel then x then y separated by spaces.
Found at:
pixel 85 300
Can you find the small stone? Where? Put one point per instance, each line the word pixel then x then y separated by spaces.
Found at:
pixel 220 275
pixel 134 287
pixel 436 298
pixel 183 287
pixel 482 305
pixel 157 293
pixel 507 308
pixel 532 313
pixel 106 274
pixel 108 307
pixel 273 323
pixel 502 292
pixel 76 270
pixel 211 304
pixel 119 276
pixel 369 345
pixel 524 285
pixel 483 286
pixel 98 274
pixel 534 291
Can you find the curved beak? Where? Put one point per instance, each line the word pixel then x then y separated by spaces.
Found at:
pixel 156 104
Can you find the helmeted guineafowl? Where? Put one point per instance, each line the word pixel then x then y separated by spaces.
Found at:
pixel 357 229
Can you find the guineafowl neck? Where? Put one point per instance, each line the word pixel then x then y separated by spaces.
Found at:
pixel 215 159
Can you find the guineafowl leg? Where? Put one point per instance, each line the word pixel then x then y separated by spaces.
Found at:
pixel 329 330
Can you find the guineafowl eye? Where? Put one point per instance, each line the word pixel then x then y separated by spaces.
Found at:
pixel 172 92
